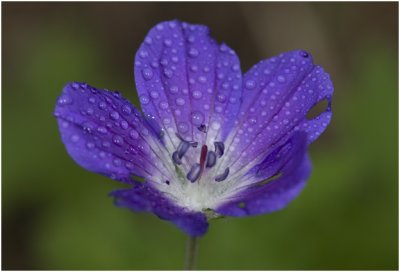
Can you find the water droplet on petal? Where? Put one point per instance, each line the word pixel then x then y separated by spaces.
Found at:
pixel 102 130
pixel 221 98
pixel 124 124
pixel 74 138
pixel 173 89
pixel 197 118
pixel 65 99
pixel 250 84
pixel 183 127
pixel 197 94
pixel 148 40
pixel 154 94
pixel 168 73
pixel 281 79
pixel 144 99
pixel 163 105
pixel 114 115
pixel 193 52
pixel 126 109
pixel 118 140
pixel 202 79
pixel 102 105
pixel 167 42
pixel 147 73
pixel 134 134
pixel 90 145
pixel 180 101
pixel 216 125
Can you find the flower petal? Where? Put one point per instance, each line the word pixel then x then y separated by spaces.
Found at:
pixel 276 106
pixel 105 134
pixel 185 80
pixel 295 168
pixel 142 197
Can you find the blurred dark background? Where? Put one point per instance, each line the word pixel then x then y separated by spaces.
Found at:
pixel 56 215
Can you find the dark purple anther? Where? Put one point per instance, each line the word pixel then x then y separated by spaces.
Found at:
pixel 175 158
pixel 202 128
pixel 219 148
pixel 222 176
pixel 211 159
pixel 182 148
pixel 194 173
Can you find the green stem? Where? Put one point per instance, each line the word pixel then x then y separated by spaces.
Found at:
pixel 191 252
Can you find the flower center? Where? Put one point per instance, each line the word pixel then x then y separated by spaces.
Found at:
pixel 207 159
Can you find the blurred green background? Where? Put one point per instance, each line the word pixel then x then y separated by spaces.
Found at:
pixel 56 215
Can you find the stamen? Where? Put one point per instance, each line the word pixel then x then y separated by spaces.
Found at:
pixel 176 159
pixel 222 176
pixel 211 159
pixel 202 128
pixel 219 148
pixel 182 148
pixel 194 173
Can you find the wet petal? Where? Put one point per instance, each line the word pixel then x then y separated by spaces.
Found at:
pixel 273 195
pixel 278 107
pixel 143 197
pixel 185 80
pixel 105 134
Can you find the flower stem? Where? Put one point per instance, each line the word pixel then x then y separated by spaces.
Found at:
pixel 191 252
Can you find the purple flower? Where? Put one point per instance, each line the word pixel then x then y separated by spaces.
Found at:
pixel 211 142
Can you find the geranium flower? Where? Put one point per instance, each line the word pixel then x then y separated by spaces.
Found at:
pixel 211 142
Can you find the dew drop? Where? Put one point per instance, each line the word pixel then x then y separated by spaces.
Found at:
pixel 221 98
pixel 147 73
pixel 117 162
pixel 167 42
pixel 197 118
pixel 148 40
pixel 252 121
pixel 118 140
pixel 202 79
pixel 193 52
pixel 163 105
pixel 126 109
pixel 89 111
pixel 174 89
pixel 154 94
pixel 250 84
pixel 65 124
pixel 216 125
pixel 74 138
pixel 92 100
pixel 180 101
pixel 90 145
pixel 168 73
pixel 197 94
pixel 102 130
pixel 102 105
pixel 183 127
pixel 124 124
pixel 64 100
pixel 281 79
pixel 114 115
pixel 144 99
pixel 134 134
